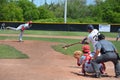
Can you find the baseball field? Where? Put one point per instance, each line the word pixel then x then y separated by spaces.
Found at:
pixel 41 56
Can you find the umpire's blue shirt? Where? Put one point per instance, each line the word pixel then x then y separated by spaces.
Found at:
pixel 105 46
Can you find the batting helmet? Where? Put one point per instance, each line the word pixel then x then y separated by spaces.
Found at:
pixel 90 27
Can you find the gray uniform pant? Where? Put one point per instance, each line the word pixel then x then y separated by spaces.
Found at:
pixel 109 56
pixel 21 35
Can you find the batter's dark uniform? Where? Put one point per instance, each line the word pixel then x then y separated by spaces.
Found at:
pixel 108 53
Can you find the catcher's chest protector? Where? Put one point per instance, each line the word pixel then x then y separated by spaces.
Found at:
pixel 88 57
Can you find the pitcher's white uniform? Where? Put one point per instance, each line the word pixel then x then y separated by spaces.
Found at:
pixel 21 27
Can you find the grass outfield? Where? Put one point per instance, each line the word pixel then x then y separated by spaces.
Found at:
pixel 56 33
pixel 61 41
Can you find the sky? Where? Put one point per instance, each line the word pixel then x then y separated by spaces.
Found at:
pixel 41 2
pixel 90 1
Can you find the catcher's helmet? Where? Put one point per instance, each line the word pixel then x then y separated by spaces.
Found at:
pixel 101 36
pixel 90 27
pixel 86 48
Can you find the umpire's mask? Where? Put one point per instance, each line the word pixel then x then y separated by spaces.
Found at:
pixel 100 37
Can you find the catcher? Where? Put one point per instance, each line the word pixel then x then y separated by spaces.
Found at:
pixel 21 27
pixel 84 58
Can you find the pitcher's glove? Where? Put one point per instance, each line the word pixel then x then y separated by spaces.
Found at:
pixel 22 28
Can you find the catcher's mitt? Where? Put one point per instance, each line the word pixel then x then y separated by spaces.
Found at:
pixel 77 53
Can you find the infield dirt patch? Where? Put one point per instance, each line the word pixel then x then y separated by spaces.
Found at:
pixel 43 64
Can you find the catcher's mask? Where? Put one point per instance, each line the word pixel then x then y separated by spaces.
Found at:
pixel 86 48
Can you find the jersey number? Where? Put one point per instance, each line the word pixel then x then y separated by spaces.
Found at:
pixel 96 37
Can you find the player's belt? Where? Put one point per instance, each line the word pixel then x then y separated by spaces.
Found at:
pixel 109 51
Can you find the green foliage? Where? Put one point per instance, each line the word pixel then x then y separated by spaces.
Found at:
pixel 59 20
pixel 3 2
pixel 58 12
pixel 89 20
pixel 57 9
pixel 116 17
pixel 11 12
pixel 76 8
pixel 111 17
pixel 45 13
pixel 103 11
pixel 30 11
pixel 31 15
pixel 51 20
pixel 110 11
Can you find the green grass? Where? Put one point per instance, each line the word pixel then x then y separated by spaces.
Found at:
pixel 9 32
pixel 70 50
pixel 49 33
pixel 61 41
pixel 58 20
pixel 8 37
pixel 56 33
pixel 8 52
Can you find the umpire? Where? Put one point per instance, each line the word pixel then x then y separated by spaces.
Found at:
pixel 108 53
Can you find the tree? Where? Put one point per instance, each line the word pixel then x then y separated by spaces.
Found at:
pixel 111 11
pixel 3 2
pixel 97 10
pixel 11 12
pixel 30 11
pixel 76 8
pixel 31 15
pixel 56 8
pixel 45 13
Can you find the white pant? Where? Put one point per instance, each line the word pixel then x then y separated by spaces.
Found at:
pixel 18 28
pixel 88 67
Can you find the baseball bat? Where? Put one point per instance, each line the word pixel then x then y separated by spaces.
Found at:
pixel 66 46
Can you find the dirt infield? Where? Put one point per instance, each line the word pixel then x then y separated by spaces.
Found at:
pixel 44 64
